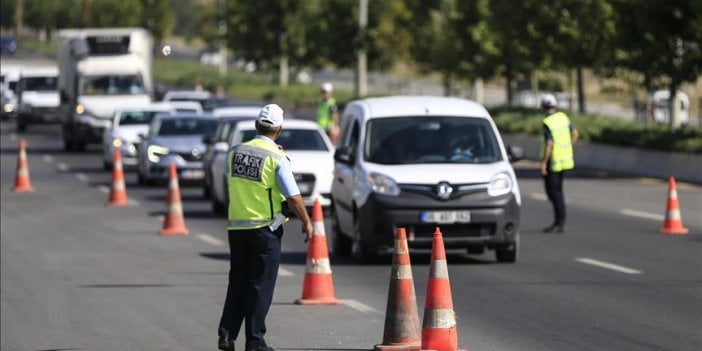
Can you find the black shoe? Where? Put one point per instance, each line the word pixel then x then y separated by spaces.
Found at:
pixel 555 227
pixel 259 348
pixel 225 344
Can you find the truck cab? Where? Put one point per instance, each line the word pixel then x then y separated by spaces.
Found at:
pixel 101 70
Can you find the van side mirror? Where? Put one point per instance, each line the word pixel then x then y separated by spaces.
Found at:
pixel 221 147
pixel 515 153
pixel 344 155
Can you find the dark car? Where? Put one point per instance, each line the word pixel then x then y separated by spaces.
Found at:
pixel 8 45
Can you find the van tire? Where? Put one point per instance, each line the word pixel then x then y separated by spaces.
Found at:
pixel 508 253
pixel 341 244
pixel 361 252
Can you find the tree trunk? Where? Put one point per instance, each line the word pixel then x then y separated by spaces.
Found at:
pixel 283 72
pixel 510 92
pixel 581 90
pixel 674 105
pixel 571 91
pixel 478 91
pixel 448 84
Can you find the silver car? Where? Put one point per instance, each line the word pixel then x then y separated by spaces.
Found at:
pixel 175 139
pixel 127 124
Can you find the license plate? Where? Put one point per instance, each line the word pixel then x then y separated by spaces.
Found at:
pixel 445 217
pixel 192 174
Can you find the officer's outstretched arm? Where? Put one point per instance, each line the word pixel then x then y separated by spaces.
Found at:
pixel 297 206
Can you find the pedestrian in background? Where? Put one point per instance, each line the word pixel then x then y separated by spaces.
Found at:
pixel 556 158
pixel 260 185
pixel 327 112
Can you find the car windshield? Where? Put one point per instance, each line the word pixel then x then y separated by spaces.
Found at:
pixel 185 126
pixel 113 85
pixel 40 84
pixel 295 139
pixel 408 140
pixel 136 117
pixel 207 104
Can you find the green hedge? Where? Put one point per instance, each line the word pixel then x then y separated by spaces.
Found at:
pixel 604 130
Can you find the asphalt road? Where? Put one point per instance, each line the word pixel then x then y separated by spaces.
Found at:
pixel 79 276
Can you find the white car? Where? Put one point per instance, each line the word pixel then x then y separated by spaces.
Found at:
pixel 186 106
pixel 127 125
pixel 202 97
pixel 310 151
pixel 420 162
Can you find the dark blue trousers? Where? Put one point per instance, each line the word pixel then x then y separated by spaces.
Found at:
pixel 553 182
pixel 254 261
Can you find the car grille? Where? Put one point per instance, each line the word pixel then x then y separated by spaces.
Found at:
pixel 305 181
pixel 458 189
pixel 188 156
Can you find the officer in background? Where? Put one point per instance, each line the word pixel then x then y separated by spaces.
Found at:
pixel 556 158
pixel 327 112
pixel 260 180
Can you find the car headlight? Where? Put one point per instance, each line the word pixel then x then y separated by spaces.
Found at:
pixel 8 108
pixel 500 184
pixel 153 152
pixel 382 184
pixel 117 142
pixel 80 109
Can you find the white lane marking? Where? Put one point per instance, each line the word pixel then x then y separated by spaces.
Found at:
pixel 62 167
pixel 282 272
pixel 358 306
pixel 537 196
pixel 48 159
pixel 634 213
pixel 103 189
pixel 606 265
pixel 210 239
pixel 82 177
pixel 132 202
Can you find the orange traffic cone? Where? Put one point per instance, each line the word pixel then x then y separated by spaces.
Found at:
pixel 174 223
pixel 118 192
pixel 318 287
pixel 439 330
pixel 22 183
pixel 401 318
pixel 673 220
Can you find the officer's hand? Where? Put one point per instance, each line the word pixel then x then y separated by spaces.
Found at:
pixel 308 229
pixel 544 169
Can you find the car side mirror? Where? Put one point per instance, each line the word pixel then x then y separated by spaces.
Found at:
pixel 515 153
pixel 221 147
pixel 344 154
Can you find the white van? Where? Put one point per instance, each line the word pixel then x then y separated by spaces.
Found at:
pixel 38 97
pixel 422 162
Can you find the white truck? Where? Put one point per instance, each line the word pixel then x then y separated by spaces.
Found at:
pixel 101 70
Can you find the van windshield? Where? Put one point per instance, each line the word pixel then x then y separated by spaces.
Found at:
pixel 40 84
pixel 112 85
pixel 430 139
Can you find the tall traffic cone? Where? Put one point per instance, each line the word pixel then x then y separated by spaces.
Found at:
pixel 401 331
pixel 174 223
pixel 318 287
pixel 118 191
pixel 22 183
pixel 673 220
pixel 439 330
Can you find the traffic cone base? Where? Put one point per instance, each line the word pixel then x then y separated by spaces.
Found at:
pixel 673 219
pixel 173 221
pixel 318 286
pixel 22 182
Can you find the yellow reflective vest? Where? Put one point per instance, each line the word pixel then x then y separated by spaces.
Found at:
pixel 254 196
pixel 324 113
pixel 562 154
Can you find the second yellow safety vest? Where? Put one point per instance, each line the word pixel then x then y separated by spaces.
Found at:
pixel 562 154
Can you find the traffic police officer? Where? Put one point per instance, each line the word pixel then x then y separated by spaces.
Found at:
pixel 556 158
pixel 259 181
pixel 327 112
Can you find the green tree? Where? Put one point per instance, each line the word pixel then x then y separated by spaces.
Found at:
pixel 7 13
pixel 158 18
pixel 112 13
pixel 661 40
pixel 49 15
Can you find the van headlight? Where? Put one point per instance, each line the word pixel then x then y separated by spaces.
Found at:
pixel 382 184
pixel 8 108
pixel 500 184
pixel 154 152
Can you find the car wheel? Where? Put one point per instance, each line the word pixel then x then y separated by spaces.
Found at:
pixel 507 253
pixel 361 251
pixel 106 165
pixel 341 244
pixel 67 145
pixel 140 178
pixel 79 146
pixel 206 190
pixel 217 206
pixel 21 127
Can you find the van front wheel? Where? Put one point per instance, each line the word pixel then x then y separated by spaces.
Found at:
pixel 361 251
